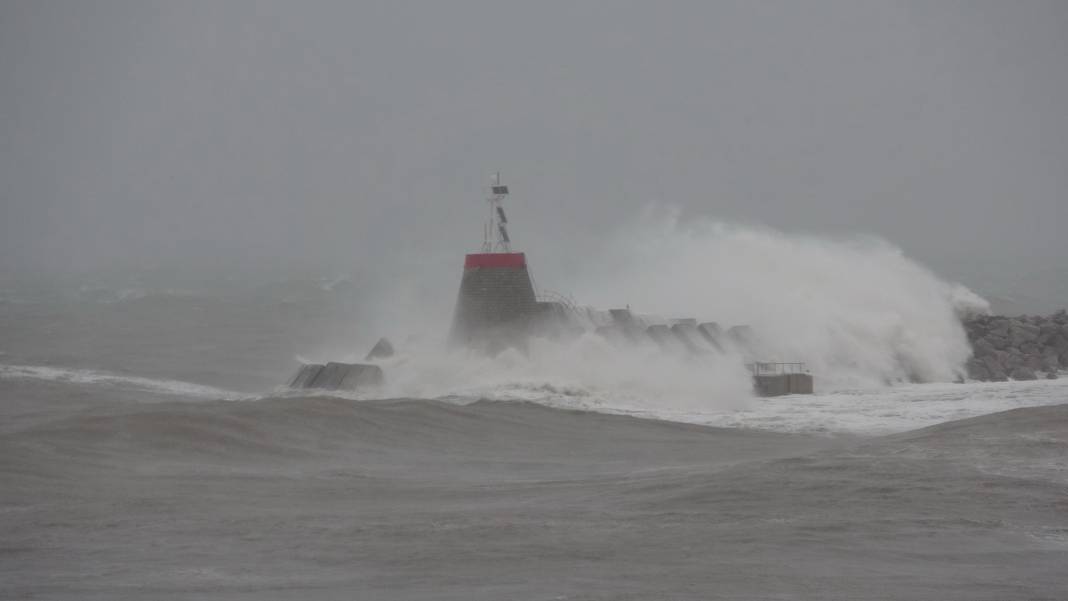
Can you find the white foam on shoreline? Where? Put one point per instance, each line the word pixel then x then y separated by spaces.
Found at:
pixel 873 411
pixel 870 411
pixel 94 377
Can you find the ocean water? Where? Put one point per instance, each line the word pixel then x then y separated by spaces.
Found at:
pixel 147 451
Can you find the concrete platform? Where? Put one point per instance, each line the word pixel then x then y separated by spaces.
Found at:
pixel 782 384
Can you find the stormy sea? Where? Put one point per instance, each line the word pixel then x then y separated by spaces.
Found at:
pixel 148 451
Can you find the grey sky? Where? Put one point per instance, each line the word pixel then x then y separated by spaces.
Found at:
pixel 289 135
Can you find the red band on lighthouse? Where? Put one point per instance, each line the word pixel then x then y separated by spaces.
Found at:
pixel 495 260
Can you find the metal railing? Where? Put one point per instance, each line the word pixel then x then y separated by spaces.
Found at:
pixel 759 368
pixel 548 296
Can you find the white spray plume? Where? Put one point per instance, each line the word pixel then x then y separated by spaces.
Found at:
pixel 857 311
pixel 967 303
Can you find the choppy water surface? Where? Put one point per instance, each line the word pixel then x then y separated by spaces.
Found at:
pixel 132 467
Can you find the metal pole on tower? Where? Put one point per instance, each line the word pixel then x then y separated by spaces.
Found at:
pixel 497 229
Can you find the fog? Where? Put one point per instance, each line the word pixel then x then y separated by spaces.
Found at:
pixel 264 140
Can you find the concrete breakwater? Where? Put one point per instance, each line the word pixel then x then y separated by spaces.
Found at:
pixel 1022 348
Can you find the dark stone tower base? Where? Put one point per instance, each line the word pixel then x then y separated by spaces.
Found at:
pixel 496 304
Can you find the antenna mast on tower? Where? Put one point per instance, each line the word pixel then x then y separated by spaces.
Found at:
pixel 495 236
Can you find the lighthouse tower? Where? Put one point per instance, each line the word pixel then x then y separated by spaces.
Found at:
pixel 497 301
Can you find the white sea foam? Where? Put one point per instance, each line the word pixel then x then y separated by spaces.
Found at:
pixel 589 368
pixel 113 380
pixel 644 382
pixel 893 409
pixel 864 411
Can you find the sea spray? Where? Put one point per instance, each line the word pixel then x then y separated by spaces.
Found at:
pixel 587 372
pixel 857 310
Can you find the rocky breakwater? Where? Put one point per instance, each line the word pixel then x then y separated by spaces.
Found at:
pixel 1020 348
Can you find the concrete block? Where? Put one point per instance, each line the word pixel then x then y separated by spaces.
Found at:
pixel 771 385
pixel 635 334
pixel 712 333
pixel 330 377
pixel 743 334
pixel 781 384
pixel 800 384
pixel 687 335
pixel 337 376
pixel 660 334
pixel 305 375
pixel 359 376
pixel 381 350
pixel 613 333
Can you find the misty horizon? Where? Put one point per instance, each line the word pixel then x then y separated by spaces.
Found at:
pixel 267 140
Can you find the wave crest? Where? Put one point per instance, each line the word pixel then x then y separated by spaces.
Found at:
pixel 856 309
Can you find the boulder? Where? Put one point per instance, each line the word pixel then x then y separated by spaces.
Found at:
pixel 1033 362
pixel 1049 349
pixel 1023 373
pixel 1000 343
pixel 1050 363
pixel 1059 342
pixel 1021 332
pixel 994 368
pixel 1047 331
pixel 1011 359
pixel 1028 349
pixel 1000 328
pixel 1018 346
pixel 1050 352
pixel 977 369
pixel 983 348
